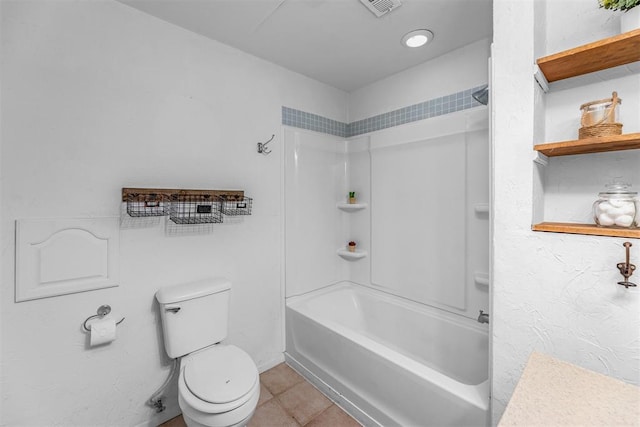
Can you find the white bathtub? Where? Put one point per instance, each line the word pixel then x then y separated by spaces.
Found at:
pixel 389 361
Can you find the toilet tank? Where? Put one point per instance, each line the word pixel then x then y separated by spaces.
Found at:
pixel 194 315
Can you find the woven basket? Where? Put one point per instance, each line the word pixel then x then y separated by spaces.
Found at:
pixel 604 129
pixel 599 118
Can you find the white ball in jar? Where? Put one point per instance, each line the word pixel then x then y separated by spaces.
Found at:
pixel 624 220
pixel 604 206
pixel 604 219
pixel 628 209
pixel 615 212
pixel 617 203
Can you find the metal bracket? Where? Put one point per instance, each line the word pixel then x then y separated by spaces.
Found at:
pixel 540 158
pixel 540 78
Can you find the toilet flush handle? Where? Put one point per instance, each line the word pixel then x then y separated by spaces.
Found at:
pixel 172 308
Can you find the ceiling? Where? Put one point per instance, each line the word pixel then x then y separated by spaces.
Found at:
pixel 338 42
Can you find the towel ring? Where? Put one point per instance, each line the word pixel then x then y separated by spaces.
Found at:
pixel 102 311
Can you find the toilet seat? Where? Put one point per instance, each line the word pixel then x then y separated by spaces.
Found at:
pixel 218 379
pixel 220 374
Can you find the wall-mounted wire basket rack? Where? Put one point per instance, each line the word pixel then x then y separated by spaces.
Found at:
pixel 144 205
pixel 195 209
pixel 236 205
pixel 187 206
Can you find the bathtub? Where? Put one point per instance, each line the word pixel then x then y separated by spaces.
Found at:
pixel 389 361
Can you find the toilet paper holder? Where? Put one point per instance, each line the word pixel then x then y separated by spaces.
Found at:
pixel 102 311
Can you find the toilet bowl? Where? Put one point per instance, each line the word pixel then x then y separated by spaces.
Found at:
pixel 218 386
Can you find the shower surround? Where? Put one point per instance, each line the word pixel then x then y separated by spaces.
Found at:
pixel 426 243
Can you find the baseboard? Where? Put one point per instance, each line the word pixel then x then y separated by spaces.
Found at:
pixel 265 366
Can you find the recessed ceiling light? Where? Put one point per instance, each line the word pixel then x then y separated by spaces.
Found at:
pixel 417 38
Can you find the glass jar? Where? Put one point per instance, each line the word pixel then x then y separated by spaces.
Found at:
pixel 617 207
pixel 604 111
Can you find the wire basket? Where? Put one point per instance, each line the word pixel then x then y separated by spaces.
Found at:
pixel 195 209
pixel 145 205
pixel 236 205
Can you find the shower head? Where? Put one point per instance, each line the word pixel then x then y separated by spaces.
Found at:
pixel 482 95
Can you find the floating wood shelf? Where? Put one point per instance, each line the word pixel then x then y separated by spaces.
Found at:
pixel 602 144
pixel 590 229
pixel 600 55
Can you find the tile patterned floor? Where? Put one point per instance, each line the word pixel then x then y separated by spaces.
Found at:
pixel 288 400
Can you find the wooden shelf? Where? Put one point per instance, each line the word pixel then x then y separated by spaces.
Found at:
pixel 126 192
pixel 590 229
pixel 606 53
pixel 603 144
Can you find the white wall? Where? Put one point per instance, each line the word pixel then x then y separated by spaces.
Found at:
pixel 554 293
pixel 452 72
pixel 98 96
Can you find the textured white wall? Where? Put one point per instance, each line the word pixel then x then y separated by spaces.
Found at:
pixel 553 293
pixel 452 72
pixel 97 96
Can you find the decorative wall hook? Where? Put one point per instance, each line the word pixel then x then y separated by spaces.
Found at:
pixel 626 269
pixel 262 146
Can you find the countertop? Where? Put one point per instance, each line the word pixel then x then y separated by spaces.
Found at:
pixel 556 393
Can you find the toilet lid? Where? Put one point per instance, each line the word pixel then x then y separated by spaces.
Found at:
pixel 220 374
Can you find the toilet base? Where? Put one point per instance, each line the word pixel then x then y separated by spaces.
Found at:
pixel 193 423
pixel 237 417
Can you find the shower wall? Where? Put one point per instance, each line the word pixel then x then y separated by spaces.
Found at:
pixel 429 229
pixel 426 225
pixel 315 180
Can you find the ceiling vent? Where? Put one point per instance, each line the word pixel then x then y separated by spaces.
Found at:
pixel 381 7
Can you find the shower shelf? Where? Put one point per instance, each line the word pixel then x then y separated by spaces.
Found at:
pixel 350 207
pixel 481 279
pixel 481 208
pixel 344 253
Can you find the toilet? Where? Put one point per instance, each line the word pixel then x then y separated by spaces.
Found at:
pixel 219 384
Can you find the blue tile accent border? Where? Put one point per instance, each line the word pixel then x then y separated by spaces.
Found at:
pixel 304 120
pixel 434 107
